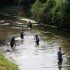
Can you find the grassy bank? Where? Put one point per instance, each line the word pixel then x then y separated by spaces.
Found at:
pixel 6 65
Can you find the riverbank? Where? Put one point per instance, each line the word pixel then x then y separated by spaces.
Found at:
pixel 39 15
pixel 20 18
pixel 7 65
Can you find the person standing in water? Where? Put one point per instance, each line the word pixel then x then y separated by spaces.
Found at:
pixel 60 59
pixel 37 39
pixel 22 35
pixel 12 42
pixel 30 25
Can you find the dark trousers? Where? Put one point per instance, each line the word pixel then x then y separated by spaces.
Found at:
pixel 37 42
pixel 60 59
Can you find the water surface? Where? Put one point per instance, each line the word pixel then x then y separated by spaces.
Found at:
pixel 27 55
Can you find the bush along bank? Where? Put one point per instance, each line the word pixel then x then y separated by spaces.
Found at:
pixel 52 12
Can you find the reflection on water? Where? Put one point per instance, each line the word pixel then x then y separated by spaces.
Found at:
pixel 59 65
pixel 31 57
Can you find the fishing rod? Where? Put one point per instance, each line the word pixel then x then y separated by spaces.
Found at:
pixel 66 51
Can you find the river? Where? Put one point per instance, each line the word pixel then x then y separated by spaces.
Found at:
pixel 27 55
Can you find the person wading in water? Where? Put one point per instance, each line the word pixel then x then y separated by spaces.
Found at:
pixel 37 39
pixel 60 59
pixel 22 35
pixel 30 25
pixel 12 42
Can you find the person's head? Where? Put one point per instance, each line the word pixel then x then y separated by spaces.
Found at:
pixel 36 34
pixel 59 48
pixel 14 37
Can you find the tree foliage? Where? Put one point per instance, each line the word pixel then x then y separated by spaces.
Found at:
pixel 54 12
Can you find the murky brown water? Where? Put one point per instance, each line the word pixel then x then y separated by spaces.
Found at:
pixel 31 57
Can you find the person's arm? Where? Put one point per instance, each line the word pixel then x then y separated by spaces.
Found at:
pixel 65 52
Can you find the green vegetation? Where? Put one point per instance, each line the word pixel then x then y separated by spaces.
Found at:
pixel 53 12
pixel 12 10
pixel 6 65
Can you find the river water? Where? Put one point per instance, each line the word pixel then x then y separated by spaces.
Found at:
pixel 27 55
